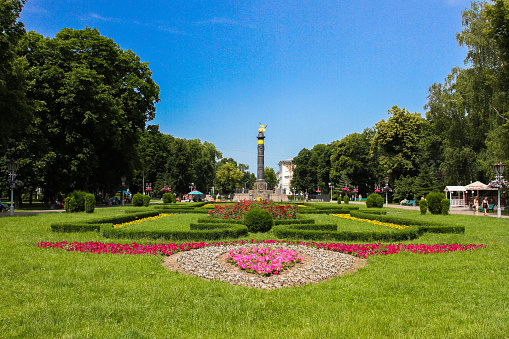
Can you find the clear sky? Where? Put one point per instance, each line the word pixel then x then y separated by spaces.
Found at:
pixel 314 71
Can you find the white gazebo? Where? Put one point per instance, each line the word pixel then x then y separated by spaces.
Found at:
pixel 456 200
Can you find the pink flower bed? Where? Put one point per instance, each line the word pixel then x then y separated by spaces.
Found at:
pixel 263 260
pixel 359 250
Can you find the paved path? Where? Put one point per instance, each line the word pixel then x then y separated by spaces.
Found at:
pixel 453 210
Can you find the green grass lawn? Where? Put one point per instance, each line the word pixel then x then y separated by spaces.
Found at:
pixel 53 293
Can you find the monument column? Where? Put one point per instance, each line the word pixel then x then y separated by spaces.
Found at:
pixel 261 184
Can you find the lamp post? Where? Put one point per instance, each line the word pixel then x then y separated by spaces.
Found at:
pixel 294 194
pixel 12 167
pixel 386 188
pixel 499 171
pixel 331 187
pixel 123 184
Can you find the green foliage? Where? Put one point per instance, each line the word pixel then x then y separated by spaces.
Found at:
pixel 258 220
pixel 423 206
pixel 374 200
pixel 346 199
pixel 75 202
pixel 89 203
pixel 138 199
pixel 270 177
pixel 167 198
pixel 228 178
pixel 146 200
pixel 446 205
pixel 435 202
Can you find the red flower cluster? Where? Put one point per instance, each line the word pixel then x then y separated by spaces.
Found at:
pixel 359 250
pixel 238 210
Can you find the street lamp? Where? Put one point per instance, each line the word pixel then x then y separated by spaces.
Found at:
pixel 294 194
pixel 499 171
pixel 12 167
pixel 123 185
pixel 331 187
pixel 386 189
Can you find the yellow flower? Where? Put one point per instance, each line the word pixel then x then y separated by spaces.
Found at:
pixel 139 221
pixel 374 222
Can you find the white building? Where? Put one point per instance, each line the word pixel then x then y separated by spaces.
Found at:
pixel 285 175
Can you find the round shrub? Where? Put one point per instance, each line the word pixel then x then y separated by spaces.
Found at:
pixel 138 199
pixel 346 199
pixel 89 203
pixel 167 198
pixel 379 202
pixel 423 206
pixel 75 202
pixel 435 202
pixel 258 220
pixel 371 200
pixel 339 199
pixel 446 205
pixel 146 200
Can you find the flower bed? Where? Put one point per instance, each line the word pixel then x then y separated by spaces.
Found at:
pixel 374 222
pixel 139 221
pixel 263 260
pixel 359 250
pixel 237 210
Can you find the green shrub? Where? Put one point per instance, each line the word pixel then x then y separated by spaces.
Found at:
pixel 258 220
pixel 346 199
pixel 423 206
pixel 89 203
pixel 446 205
pixel 435 202
pixel 75 202
pixel 167 198
pixel 146 200
pixel 339 199
pixel 374 200
pixel 138 199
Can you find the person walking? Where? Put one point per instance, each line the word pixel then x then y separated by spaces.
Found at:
pixel 476 205
pixel 485 204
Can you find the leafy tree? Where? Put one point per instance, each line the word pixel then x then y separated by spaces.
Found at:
pixel 396 142
pixel 228 177
pixel 14 109
pixel 91 102
pixel 270 177
pixel 351 157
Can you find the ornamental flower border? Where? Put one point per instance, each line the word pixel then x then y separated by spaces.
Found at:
pixel 237 210
pixel 359 250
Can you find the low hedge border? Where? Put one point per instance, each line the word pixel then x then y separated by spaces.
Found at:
pixel 294 222
pixel 218 221
pixel 294 232
pixel 422 226
pixel 197 232
pixel 77 227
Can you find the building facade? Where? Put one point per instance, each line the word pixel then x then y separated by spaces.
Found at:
pixel 285 175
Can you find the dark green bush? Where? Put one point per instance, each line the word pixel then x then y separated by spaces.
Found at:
pixel 89 203
pixel 167 198
pixel 446 205
pixel 138 199
pixel 423 206
pixel 146 200
pixel 435 202
pixel 346 199
pixel 75 202
pixel 374 200
pixel 258 220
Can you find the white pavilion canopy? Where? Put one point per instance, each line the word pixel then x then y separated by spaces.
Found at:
pixel 456 200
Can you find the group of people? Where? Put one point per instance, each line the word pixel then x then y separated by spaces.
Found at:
pixel 485 203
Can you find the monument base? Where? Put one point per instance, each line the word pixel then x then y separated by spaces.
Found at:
pixel 254 195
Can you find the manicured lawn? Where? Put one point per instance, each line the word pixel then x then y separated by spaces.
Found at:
pixel 55 293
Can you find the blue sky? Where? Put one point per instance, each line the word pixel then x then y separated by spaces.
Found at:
pixel 314 71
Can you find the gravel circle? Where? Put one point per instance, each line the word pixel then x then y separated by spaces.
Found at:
pixel 317 265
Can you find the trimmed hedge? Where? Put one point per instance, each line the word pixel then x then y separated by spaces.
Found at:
pixel 294 232
pixel 294 222
pixel 199 232
pixel 422 226
pixel 78 227
pixel 218 221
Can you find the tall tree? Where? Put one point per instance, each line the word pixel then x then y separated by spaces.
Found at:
pixel 228 178
pixel 14 110
pixel 270 177
pixel 396 142
pixel 92 100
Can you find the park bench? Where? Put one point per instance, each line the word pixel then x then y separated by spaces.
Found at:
pixel 409 203
pixel 491 208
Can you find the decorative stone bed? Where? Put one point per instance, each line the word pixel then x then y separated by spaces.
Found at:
pixel 317 265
